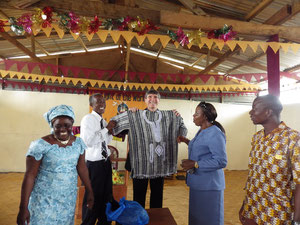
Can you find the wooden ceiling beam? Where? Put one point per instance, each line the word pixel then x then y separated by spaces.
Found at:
pixel 42 48
pixel 191 6
pixel 88 8
pixel 284 14
pixel 292 69
pixel 208 23
pixel 20 46
pixel 260 7
pixel 198 60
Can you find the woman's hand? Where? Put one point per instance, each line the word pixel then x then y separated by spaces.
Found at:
pixel 187 164
pixel 183 139
pixel 176 112
pixel 23 216
pixel 90 200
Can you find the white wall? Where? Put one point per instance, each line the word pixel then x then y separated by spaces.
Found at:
pixel 21 119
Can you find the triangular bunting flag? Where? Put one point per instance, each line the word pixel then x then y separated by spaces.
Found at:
pixel 75 71
pixel 8 64
pixel 182 77
pixel 231 44
pixel 131 75
pixel 54 69
pixel 20 65
pixel 193 78
pixel 115 35
pixel 86 72
pixel 285 47
pixel 204 78
pixel 164 39
pixel 173 77
pixel 102 34
pixel 64 70
pixel 220 44
pixel 275 46
pixel 243 45
pixel 75 36
pixel 140 38
pixel 141 76
pixel 43 67
pixel 122 74
pixel 164 77
pixel 35 29
pixel 295 47
pixel 31 66
pixel 89 36
pixel 93 82
pixel 248 77
pixel 47 30
pixel 176 43
pixel 208 42
pixel 128 35
pixel 152 77
pixel 59 31
pixel 253 45
pixel 152 38
pixel 264 46
pixel 99 74
pixel 46 78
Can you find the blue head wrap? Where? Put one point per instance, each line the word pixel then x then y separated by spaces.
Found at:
pixel 60 110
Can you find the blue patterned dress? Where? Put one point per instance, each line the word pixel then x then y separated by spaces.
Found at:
pixel 53 198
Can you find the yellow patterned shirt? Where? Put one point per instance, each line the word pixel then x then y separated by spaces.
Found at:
pixel 274 170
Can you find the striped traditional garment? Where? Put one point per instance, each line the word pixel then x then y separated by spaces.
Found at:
pixel 152 137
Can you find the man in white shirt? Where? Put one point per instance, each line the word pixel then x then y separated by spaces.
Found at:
pixel 95 134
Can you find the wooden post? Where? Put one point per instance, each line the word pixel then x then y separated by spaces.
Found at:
pixel 273 68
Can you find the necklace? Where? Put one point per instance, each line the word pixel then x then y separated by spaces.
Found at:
pixel 63 142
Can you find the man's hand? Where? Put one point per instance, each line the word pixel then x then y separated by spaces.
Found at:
pixel 111 125
pixel 90 200
pixel 23 217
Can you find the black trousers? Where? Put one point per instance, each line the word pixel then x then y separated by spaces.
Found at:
pixel 156 194
pixel 100 174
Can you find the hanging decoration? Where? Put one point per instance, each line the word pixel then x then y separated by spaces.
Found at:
pixel 185 38
pixel 2 24
pixel 225 33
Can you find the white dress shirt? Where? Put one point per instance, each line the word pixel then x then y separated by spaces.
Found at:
pixel 93 136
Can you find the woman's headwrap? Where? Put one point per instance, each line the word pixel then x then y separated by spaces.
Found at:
pixel 60 110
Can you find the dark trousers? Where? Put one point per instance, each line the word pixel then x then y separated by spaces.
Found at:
pixel 100 174
pixel 156 194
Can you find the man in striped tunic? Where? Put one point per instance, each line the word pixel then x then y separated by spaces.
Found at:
pixel 153 148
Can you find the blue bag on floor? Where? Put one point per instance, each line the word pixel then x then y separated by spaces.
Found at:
pixel 128 213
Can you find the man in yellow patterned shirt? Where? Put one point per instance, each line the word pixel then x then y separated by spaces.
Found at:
pixel 273 184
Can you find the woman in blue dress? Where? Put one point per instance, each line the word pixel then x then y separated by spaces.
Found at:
pixel 204 166
pixel 53 162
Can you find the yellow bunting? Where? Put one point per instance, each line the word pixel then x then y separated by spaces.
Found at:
pixel 115 35
pixel 60 79
pixel 208 42
pixel 201 45
pixel 231 44
pixel 295 47
pixel 102 34
pixel 220 44
pixel 243 45
pixel 93 83
pixel 35 29
pixel 74 35
pixel 26 76
pixel 34 77
pixel 152 38
pixel 84 81
pixel 253 45
pixel 3 73
pixel 264 46
pixel 67 80
pixel 59 31
pixel 190 45
pixel 46 79
pixel 140 38
pixel 275 46
pixel 89 36
pixel 285 47
pixel 176 43
pixel 128 35
pixel 164 39
pixel 47 30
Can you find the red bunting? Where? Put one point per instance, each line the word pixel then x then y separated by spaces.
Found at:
pixel 153 77
pixel 31 66
pixel 20 65
pixel 75 71
pixel 43 67
pixel 8 64
pixel 204 78
pixel 132 75
pixel 173 77
pixel 64 70
pixel 142 76
pixel 99 74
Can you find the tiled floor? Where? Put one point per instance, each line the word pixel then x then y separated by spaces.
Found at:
pixel 175 197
